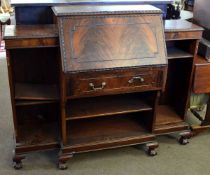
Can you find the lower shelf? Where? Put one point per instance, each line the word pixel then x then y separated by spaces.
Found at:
pixel 167 120
pixel 35 137
pixel 104 133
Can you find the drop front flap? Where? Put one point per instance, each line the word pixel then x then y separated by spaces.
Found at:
pixel 104 41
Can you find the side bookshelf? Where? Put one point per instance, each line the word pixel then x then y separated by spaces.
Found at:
pixel 182 38
pixel 33 67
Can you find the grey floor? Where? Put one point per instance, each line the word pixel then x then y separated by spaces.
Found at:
pixel 172 158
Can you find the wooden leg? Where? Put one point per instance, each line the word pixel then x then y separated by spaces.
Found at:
pixel 184 137
pixel 63 158
pixel 151 148
pixel 17 161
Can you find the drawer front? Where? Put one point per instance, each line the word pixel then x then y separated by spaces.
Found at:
pixel 111 82
pixel 183 35
pixel 201 79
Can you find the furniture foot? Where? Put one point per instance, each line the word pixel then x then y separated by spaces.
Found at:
pixel 17 161
pixel 62 165
pixel 151 148
pixel 184 137
pixel 63 158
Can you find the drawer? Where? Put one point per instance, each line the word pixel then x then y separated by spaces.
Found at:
pixel 183 35
pixel 114 82
pixel 201 82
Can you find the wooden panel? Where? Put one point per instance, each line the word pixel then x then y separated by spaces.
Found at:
pixel 201 82
pixel 167 121
pixel 30 31
pixel 33 138
pixel 36 92
pixel 90 43
pixel 31 43
pixel 105 106
pixel 181 30
pixel 29 36
pixel 104 133
pixel 167 115
pixel 180 25
pixel 118 81
pixel 182 35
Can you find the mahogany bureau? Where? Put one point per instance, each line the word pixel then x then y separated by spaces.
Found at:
pixel 105 79
pixel 113 68
pixel 101 85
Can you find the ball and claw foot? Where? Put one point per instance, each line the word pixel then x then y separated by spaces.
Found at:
pixel 62 166
pixel 17 165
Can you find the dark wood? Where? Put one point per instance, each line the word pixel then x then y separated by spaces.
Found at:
pixel 31 36
pixel 36 92
pixel 182 39
pixel 110 85
pixel 123 50
pixel 201 80
pixel 32 58
pixel 33 138
pixel 116 81
pixel 112 90
pixel 181 30
pixel 174 52
pixel 105 106
pixel 108 131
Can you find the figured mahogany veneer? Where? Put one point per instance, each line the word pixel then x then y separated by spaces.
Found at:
pixel 116 81
pixel 87 42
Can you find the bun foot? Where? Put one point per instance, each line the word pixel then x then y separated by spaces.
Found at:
pixel 62 166
pixel 184 137
pixel 151 149
pixel 17 165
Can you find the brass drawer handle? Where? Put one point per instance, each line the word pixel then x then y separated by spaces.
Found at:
pixel 136 79
pixel 92 86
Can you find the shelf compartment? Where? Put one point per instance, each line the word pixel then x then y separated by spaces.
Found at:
pixel 168 120
pixel 37 127
pixel 174 52
pixel 36 92
pixel 106 131
pixel 33 102
pixel 43 137
pixel 105 106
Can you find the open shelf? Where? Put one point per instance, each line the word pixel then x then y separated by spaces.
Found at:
pixel 167 120
pixel 174 52
pixel 44 134
pixel 166 115
pixel 36 92
pixel 105 106
pixel 33 102
pixel 105 130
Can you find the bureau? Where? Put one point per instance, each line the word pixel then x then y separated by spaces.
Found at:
pixel 99 78
pixel 113 68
